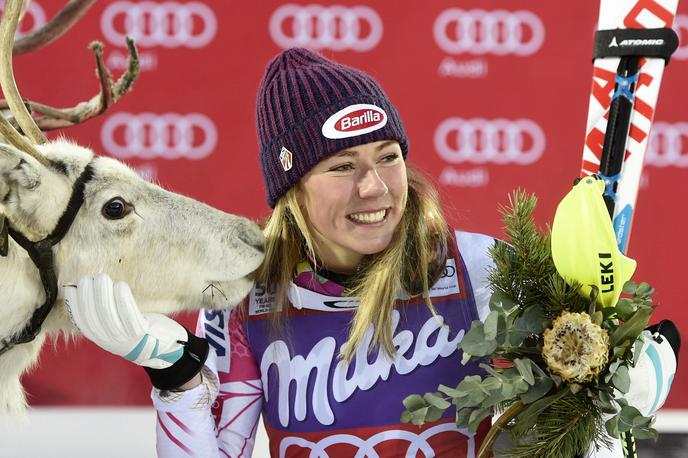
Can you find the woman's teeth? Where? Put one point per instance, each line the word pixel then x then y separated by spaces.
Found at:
pixel 373 217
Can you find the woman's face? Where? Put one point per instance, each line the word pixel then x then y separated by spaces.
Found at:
pixel 354 201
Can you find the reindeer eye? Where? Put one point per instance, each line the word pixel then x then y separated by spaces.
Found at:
pixel 116 208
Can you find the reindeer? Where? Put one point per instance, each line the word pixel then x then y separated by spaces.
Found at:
pixel 65 212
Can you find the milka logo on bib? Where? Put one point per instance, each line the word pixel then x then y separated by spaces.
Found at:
pixel 310 380
pixel 354 120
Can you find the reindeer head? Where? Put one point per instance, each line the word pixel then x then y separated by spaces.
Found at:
pixel 173 251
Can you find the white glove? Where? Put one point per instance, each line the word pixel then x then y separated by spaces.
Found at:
pixel 107 315
pixel 653 373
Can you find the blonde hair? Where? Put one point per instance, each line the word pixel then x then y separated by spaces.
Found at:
pixel 413 261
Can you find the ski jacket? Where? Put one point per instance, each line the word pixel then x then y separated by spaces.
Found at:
pixel 314 404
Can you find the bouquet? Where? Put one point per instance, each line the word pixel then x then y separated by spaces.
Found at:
pixel 556 349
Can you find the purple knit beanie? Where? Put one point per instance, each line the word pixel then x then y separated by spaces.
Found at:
pixel 309 107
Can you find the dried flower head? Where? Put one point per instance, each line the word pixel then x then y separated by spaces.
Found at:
pixel 576 348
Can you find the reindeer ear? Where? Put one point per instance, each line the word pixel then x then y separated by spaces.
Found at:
pixel 19 168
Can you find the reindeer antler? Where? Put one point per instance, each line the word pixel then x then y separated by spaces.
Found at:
pixel 55 28
pixel 8 27
pixel 53 118
pixel 58 118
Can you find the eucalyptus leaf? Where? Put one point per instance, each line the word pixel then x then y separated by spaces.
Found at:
pixel 451 392
pixel 524 368
pixel 515 337
pixel 500 299
pixel 532 320
pixel 606 402
pixel 462 416
pixel 414 402
pixel 521 386
pixel 631 328
pixel 613 366
pixel 619 351
pixel 630 287
pixel 626 417
pixel 541 387
pixel 468 384
pixel 418 417
pixel 474 393
pixel 502 332
pixel 436 401
pixel 612 426
pixel 475 343
pixel 433 414
pixel 537 370
pixel 491 384
pixel 406 416
pixel 637 350
pixel 640 421
pixel 508 390
pixel 643 433
pixel 644 290
pixel 621 380
pixel 491 370
pixel 490 325
pixel 494 398
pixel 477 416
pixel 624 308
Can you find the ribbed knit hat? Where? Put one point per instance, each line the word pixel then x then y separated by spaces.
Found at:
pixel 309 107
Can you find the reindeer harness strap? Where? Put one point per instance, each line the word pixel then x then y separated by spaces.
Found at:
pixel 41 253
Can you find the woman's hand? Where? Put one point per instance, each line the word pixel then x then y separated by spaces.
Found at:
pixel 107 314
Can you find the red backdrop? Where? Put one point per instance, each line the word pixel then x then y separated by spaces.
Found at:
pixel 458 72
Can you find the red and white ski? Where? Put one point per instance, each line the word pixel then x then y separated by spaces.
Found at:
pixel 623 98
pixel 632 46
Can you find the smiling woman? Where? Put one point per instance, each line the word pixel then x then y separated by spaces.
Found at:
pixel 362 297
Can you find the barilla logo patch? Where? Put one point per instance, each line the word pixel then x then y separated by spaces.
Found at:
pixel 354 120
pixel 286 159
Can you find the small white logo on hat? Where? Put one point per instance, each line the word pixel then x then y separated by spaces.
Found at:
pixel 354 120
pixel 285 159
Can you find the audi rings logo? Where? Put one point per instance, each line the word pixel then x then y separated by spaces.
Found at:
pixel 167 136
pixel 497 32
pixel 339 28
pixel 668 145
pixel 681 28
pixel 34 19
pixel 448 272
pixel 167 24
pixel 479 141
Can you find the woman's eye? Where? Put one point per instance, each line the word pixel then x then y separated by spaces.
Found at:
pixel 390 157
pixel 341 168
pixel 116 208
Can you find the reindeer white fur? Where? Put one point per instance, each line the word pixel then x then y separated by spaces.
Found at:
pixel 174 252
